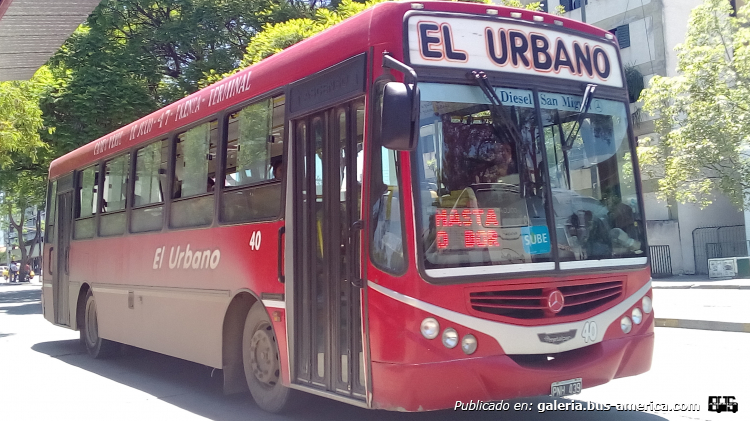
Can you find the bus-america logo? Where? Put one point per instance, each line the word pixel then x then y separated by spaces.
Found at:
pixel 489 45
pixel 557 338
pixel 187 259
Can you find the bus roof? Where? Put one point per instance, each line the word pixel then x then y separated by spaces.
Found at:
pixel 378 26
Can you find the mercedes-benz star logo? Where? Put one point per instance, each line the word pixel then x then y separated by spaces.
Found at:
pixel 555 301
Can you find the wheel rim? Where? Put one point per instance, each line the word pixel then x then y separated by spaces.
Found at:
pixel 264 362
pixel 92 329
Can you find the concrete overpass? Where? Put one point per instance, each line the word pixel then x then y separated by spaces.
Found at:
pixel 31 31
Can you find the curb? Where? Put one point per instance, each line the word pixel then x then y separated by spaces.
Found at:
pixel 700 286
pixel 703 325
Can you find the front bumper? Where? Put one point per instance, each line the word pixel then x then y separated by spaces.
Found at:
pixel 438 385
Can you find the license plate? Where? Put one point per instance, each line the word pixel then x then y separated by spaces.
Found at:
pixel 566 387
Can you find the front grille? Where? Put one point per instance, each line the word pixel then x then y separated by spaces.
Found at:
pixel 531 303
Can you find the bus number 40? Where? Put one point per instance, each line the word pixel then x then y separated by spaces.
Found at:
pixel 255 240
pixel 589 332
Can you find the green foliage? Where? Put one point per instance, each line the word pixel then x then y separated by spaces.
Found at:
pixel 23 155
pixel 517 3
pixel 703 114
pixel 276 37
pixel 133 56
pixel 20 118
pixel 98 87
pixel 535 6
pixel 187 38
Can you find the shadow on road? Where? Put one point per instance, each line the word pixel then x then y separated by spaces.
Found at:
pixel 191 387
pixel 16 294
pixel 19 301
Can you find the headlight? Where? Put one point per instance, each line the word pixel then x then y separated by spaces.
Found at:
pixel 450 338
pixel 637 316
pixel 430 328
pixel 469 344
pixel 646 302
pixel 626 325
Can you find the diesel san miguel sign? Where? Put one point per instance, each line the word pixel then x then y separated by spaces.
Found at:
pixel 504 46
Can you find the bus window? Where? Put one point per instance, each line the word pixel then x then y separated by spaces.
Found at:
pixel 481 180
pixel 255 145
pixel 49 231
pixel 594 197
pixel 87 197
pixel 194 176
pixel 387 237
pixel 112 221
pixel 148 187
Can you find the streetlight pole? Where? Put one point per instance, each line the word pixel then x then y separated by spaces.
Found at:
pixel 583 11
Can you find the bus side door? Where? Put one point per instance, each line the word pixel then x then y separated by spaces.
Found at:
pixel 328 329
pixel 59 255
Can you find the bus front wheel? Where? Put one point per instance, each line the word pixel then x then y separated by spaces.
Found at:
pixel 96 346
pixel 260 355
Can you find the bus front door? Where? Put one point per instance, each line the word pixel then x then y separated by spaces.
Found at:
pixel 327 317
pixel 61 254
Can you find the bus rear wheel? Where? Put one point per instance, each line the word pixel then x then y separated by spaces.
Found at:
pixel 96 346
pixel 260 355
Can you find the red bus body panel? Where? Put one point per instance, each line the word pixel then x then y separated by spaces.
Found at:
pixel 406 371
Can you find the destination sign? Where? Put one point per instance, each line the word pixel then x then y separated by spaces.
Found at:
pixel 505 46
pixel 475 228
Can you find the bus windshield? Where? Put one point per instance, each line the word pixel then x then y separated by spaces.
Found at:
pixel 484 182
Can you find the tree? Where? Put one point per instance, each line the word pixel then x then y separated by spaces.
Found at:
pixel 22 200
pixel 97 87
pixel 20 120
pixel 279 36
pixel 133 56
pixel 183 39
pixel 23 156
pixel 703 114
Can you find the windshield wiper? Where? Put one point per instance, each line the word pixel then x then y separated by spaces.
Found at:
pixel 588 95
pixel 503 125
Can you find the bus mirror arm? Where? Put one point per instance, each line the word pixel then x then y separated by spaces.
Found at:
pixel 391 63
pixel 399 100
pixel 279 268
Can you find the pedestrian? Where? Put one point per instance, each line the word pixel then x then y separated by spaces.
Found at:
pixel 13 271
pixel 27 273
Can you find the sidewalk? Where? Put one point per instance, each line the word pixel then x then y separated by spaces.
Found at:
pixel 697 302
pixel 699 282
pixel 36 280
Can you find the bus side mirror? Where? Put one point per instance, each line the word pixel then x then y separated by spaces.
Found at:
pixel 398 117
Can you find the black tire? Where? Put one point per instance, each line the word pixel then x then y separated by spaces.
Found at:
pixel 260 356
pixel 95 345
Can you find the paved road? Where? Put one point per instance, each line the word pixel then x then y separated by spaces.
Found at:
pixel 46 375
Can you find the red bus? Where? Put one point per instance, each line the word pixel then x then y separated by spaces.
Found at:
pixel 429 203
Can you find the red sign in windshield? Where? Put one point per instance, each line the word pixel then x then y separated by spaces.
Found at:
pixel 466 228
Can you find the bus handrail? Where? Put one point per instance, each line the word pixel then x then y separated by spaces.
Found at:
pixel 279 269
